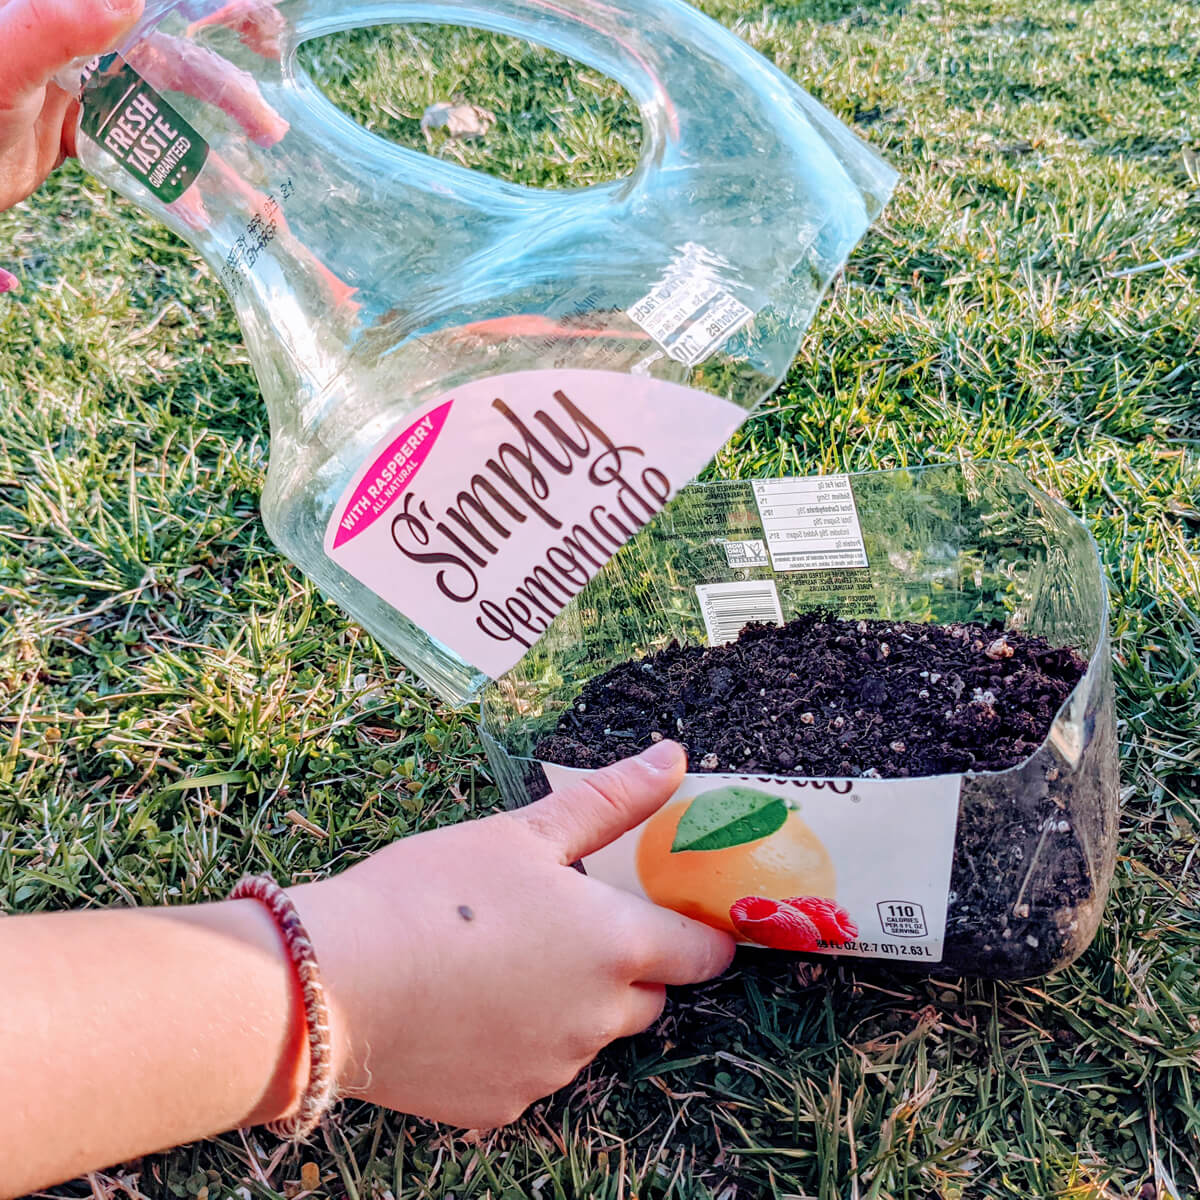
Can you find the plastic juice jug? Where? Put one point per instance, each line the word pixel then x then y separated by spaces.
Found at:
pixel 478 391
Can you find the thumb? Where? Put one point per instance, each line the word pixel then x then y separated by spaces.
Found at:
pixel 585 816
pixel 41 37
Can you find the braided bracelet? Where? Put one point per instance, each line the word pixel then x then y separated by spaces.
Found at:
pixel 319 1093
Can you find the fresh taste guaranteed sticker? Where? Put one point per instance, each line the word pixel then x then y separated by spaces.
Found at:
pixel 145 134
pixel 859 867
pixel 481 514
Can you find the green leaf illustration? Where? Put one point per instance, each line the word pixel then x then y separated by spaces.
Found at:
pixel 728 816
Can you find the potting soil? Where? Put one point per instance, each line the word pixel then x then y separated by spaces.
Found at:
pixel 822 696
pixel 828 697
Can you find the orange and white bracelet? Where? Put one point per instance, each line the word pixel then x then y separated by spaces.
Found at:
pixel 318 1094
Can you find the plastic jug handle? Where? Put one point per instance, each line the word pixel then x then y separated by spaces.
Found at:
pixel 686 73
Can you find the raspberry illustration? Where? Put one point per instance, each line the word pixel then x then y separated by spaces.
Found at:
pixel 835 925
pixel 773 924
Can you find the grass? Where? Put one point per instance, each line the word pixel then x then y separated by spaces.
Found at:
pixel 178 704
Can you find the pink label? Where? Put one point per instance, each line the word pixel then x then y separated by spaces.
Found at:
pixel 390 474
pixel 486 511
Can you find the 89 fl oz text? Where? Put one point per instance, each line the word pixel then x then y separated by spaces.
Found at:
pixel 883 949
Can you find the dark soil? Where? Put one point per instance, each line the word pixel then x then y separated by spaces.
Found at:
pixel 821 696
pixel 828 697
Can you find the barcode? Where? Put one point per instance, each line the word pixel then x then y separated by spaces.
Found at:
pixel 729 607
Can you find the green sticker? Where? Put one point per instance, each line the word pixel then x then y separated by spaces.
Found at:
pixel 728 816
pixel 125 115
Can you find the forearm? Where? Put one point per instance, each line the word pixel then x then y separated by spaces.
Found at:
pixel 127 1031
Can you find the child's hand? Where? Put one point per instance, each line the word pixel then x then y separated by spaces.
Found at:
pixel 469 971
pixel 37 118
pixel 472 971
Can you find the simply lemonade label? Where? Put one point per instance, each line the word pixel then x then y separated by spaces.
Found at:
pixel 480 515
pixel 866 861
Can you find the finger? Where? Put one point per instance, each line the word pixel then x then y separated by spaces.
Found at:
pixel 590 813
pixel 646 1004
pixel 671 948
pixel 41 37
pixel 50 129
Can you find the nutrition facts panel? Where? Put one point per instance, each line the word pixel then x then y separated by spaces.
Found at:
pixel 810 524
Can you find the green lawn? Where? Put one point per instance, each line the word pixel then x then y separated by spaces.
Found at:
pixel 178 704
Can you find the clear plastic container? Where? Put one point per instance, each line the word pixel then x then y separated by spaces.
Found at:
pixel 1034 846
pixel 373 282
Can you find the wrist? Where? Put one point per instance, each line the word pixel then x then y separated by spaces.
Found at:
pixel 261 1022
pixel 333 945
pixel 288 1073
pixel 320 1087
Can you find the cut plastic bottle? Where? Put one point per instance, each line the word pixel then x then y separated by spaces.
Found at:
pixel 478 391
